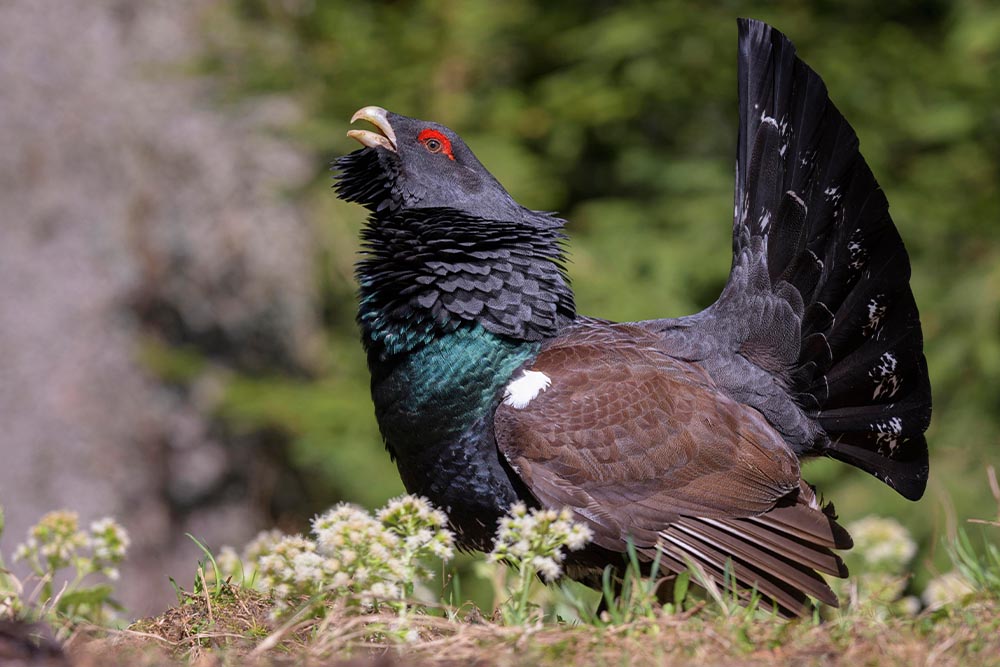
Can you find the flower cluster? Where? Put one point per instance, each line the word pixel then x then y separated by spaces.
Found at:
pixel 278 570
pixel 57 542
pixel 882 553
pixel 949 588
pixel 883 543
pixel 54 544
pixel 421 527
pixel 108 543
pixel 352 555
pixel 534 539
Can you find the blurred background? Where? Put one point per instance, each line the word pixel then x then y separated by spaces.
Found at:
pixel 177 338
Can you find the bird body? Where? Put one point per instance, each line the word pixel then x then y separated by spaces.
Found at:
pixel 444 336
pixel 680 436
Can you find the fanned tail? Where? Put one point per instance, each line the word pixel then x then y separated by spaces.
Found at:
pixel 809 208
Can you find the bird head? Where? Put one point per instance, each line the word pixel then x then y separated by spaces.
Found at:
pixel 416 164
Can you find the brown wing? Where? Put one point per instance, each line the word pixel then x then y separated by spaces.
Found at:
pixel 641 446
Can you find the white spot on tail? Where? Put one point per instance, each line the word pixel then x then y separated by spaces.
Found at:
pixel 887 434
pixel 876 311
pixel 887 382
pixel 859 256
pixel 524 389
pixel 833 195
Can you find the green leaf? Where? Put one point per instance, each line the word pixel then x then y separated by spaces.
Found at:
pixel 681 589
pixel 94 596
pixel 209 558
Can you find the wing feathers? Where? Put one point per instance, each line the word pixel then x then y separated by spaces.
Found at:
pixel 768 565
pixel 780 553
pixel 716 562
pixel 816 556
pixel 811 527
pixel 642 449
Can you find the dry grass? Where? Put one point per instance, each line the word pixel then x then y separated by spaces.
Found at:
pixel 235 630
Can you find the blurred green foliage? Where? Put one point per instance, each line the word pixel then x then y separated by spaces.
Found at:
pixel 623 117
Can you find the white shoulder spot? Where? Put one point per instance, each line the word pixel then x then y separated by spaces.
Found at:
pixel 524 389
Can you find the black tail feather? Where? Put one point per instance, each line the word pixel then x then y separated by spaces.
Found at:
pixel 817 327
pixel 803 186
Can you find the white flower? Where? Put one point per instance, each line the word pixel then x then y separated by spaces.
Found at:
pixel 261 544
pixel 535 539
pixel 270 563
pixel 547 567
pixel 307 567
pixel 947 589
pixel 883 543
pixel 355 554
pixel 909 606
pixel 228 561
pixel 381 590
pixel 108 540
pixel 579 536
pixel 379 551
pixel 24 550
pixel 419 539
pixel 442 548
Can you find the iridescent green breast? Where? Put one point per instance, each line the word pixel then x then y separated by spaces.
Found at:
pixel 435 409
pixel 431 396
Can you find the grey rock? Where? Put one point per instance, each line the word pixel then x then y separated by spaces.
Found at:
pixel 131 206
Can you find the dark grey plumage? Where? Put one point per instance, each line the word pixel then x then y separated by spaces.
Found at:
pixel 435 270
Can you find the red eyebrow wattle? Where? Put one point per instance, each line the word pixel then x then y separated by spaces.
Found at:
pixel 434 134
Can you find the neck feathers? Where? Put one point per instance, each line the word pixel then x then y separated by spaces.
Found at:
pixel 428 272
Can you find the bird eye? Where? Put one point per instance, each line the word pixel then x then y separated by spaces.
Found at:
pixel 435 142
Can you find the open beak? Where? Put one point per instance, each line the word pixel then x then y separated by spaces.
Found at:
pixel 377 116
